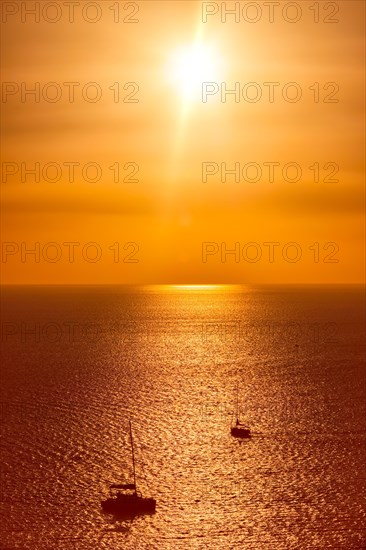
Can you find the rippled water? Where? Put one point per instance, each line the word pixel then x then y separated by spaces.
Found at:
pixel 79 362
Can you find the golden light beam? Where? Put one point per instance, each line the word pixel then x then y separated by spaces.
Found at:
pixel 190 66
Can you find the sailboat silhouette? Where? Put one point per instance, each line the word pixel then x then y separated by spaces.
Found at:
pixel 126 501
pixel 239 429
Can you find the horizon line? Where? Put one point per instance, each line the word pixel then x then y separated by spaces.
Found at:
pixel 193 285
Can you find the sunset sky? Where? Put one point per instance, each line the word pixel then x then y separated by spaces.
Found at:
pixel 169 132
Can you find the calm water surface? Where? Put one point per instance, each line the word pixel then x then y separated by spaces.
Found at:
pixel 79 362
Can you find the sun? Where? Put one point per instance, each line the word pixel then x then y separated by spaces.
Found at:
pixel 190 66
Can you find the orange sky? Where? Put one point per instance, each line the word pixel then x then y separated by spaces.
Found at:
pixel 169 212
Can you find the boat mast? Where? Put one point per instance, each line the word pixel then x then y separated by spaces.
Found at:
pixel 133 458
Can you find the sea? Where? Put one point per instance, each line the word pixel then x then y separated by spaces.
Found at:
pixel 181 363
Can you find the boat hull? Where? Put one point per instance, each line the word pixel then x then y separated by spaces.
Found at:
pixel 243 433
pixel 129 506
